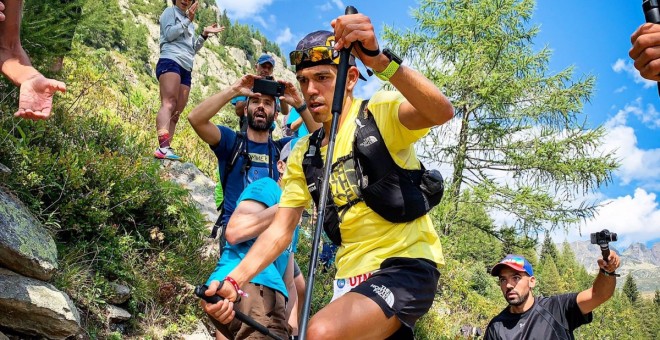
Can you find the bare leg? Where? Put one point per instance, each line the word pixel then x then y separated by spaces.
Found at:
pixel 184 91
pixel 169 94
pixel 300 290
pixel 292 318
pixel 346 317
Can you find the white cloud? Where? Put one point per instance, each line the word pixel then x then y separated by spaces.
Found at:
pixel 634 218
pixel 339 4
pixel 621 89
pixel 284 37
pixel 243 9
pixel 636 163
pixel 260 20
pixel 325 7
pixel 622 66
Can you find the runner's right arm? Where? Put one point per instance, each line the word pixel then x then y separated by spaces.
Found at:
pixel 248 221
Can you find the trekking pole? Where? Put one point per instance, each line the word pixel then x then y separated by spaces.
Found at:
pixel 337 105
pixel 199 291
pixel 652 14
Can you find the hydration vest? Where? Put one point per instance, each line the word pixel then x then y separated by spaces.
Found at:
pixel 398 195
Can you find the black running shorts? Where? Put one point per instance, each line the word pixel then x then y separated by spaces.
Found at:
pixel 403 287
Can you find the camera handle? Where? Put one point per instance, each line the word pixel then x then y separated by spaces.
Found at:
pixel 605 251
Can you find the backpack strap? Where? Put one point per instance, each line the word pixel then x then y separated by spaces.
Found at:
pixel 237 149
pixel 313 169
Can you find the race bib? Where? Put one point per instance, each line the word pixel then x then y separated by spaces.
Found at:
pixel 343 286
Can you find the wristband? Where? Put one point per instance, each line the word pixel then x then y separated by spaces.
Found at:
pixel 302 107
pixel 238 289
pixel 370 53
pixel 204 36
pixel 606 273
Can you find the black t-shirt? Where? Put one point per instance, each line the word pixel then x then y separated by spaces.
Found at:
pixel 563 316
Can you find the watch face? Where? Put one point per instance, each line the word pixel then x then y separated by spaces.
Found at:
pixel 393 57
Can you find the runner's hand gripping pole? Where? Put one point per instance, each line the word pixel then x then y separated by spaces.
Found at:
pixel 337 105
pixel 199 291
pixel 652 14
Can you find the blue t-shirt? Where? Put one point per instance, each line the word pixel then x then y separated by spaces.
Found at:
pixel 265 191
pixel 262 163
pixel 293 116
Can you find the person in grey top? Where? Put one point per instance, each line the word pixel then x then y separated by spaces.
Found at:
pixel 178 45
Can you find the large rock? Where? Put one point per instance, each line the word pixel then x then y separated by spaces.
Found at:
pixel 25 246
pixel 117 314
pixel 120 293
pixel 201 333
pixel 34 307
pixel 201 188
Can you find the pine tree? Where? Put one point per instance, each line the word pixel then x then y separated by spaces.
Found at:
pixel 514 119
pixel 656 299
pixel 549 281
pixel 548 249
pixel 572 272
pixel 630 289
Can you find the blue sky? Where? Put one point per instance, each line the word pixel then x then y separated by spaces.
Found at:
pixel 593 36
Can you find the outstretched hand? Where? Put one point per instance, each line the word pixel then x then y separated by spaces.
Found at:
pixel 36 97
pixel 223 310
pixel 2 10
pixel 213 29
pixel 613 262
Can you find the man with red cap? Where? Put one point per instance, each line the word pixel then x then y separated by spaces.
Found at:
pixel 555 317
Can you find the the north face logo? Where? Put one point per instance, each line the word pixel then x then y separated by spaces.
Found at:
pixel 384 293
pixel 368 141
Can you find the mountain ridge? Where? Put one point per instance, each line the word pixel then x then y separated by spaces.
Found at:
pixel 636 259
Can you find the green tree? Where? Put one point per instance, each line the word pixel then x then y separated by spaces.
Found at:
pixel 514 120
pixel 571 271
pixel 100 26
pixel 548 249
pixel 630 289
pixel 549 281
pixel 48 27
pixel 656 299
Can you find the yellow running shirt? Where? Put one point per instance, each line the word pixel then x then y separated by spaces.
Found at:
pixel 367 238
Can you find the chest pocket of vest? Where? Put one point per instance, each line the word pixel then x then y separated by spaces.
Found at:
pixel 344 182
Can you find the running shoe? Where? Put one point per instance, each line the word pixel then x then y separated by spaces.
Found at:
pixel 166 153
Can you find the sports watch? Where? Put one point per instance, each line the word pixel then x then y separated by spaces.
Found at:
pixel 392 67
